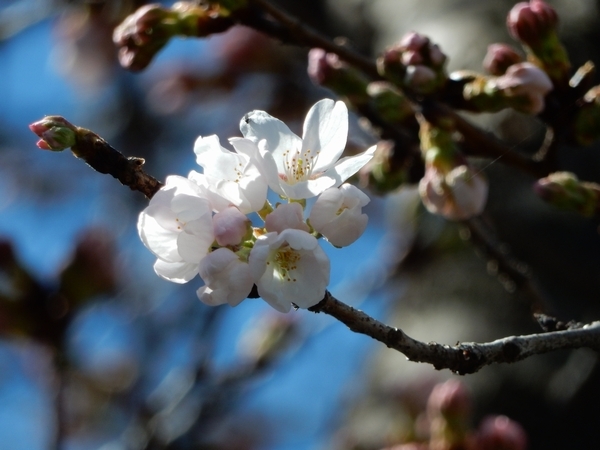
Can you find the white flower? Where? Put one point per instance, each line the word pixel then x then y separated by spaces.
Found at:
pixel 289 267
pixel 457 195
pixel 337 214
pixel 227 278
pixel 302 168
pixel 229 174
pixel 177 227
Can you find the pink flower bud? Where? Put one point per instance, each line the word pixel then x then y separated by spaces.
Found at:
pixel 286 216
pixel 414 41
pixel 531 22
pixel 230 226
pixel 322 66
pixel 457 195
pixel 499 58
pixel 420 78
pixel 449 399
pixel 501 433
pixel 56 133
pixel 527 83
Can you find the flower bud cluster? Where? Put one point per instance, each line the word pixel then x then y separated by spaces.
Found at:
pixel 564 190
pixel 415 63
pixel 199 224
pixel 142 34
pixel 450 186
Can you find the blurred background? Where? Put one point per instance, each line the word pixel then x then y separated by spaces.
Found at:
pixel 97 352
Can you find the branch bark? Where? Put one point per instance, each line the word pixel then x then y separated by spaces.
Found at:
pixel 467 357
pixel 103 158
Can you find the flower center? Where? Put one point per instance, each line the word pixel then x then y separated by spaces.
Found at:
pixel 298 165
pixel 285 259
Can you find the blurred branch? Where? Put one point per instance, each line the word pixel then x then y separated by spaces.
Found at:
pixel 468 357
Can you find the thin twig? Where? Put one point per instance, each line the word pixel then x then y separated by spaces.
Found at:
pixel 467 357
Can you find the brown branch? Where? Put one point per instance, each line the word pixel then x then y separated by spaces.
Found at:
pixel 467 357
pixel 103 158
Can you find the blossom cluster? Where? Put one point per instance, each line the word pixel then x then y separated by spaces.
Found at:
pixel 201 224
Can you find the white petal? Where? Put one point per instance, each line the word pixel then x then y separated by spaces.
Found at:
pixel 298 239
pixel 177 272
pixel 161 242
pixel 346 167
pixel 193 247
pixel 258 125
pixel 307 189
pixel 326 131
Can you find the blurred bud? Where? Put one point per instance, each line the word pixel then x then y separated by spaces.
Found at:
pixel 326 69
pixel 56 133
pixel 449 399
pixel 499 58
pixel 267 338
pixel 534 25
pixel 457 195
pixel 526 85
pixel 142 34
pixel 383 174
pixel 523 87
pixel 531 22
pixel 564 190
pixel 450 187
pixel 414 63
pixel 409 446
pixel 390 103
pixel 500 433
pixel 587 119
pixel 448 409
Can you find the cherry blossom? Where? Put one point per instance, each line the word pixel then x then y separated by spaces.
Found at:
pixel 289 267
pixel 300 168
pixel 230 175
pixel 337 214
pixel 177 227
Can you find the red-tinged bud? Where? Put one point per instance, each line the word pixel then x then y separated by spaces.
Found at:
pixel 144 33
pixel 500 433
pixel 56 133
pixel 449 399
pixel 415 63
pixel 327 70
pixel 531 22
pixel 565 191
pixel 499 58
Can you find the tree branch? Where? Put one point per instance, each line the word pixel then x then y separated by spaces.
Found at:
pixel 467 357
